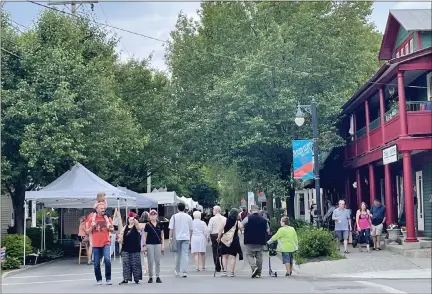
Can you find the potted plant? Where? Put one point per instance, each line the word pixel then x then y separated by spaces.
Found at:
pixel 393 233
pixel 404 233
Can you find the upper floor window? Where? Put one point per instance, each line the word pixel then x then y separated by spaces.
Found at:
pixel 405 48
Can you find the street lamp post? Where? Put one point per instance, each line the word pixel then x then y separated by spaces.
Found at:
pixel 299 120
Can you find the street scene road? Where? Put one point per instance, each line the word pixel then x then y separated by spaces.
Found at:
pixel 67 276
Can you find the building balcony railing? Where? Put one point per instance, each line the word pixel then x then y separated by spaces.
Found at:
pixel 419 121
pixel 374 124
pixel 419 105
pixel 361 132
pixel 394 111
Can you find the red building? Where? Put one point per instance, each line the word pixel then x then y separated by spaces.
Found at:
pixel 388 127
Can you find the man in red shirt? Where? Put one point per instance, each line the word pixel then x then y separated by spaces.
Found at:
pixel 100 236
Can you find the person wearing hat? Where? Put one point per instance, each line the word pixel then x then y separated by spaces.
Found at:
pixel 131 250
pixel 153 243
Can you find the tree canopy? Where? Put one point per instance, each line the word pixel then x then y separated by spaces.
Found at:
pixel 217 125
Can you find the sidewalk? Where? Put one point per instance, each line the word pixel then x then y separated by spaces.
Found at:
pixel 368 264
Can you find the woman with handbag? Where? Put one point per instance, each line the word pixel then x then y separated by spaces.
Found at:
pixel 230 242
pixel 131 250
pixel 153 244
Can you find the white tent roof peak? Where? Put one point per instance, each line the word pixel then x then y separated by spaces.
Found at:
pixel 79 177
pixel 77 188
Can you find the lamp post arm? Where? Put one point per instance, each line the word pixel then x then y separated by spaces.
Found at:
pixel 307 108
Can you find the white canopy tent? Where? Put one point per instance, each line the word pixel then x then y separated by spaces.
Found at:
pixel 141 200
pixel 77 188
pixel 163 198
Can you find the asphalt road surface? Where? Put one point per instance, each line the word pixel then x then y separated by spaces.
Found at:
pixel 67 276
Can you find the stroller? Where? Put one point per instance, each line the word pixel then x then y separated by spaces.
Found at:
pixel 272 252
pixel 358 238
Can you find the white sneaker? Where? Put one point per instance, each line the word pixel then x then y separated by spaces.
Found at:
pixel 176 272
pixel 223 274
pixel 108 282
pixel 99 282
pixel 184 275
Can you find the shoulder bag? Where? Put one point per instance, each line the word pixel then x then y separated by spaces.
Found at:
pixel 228 237
pixel 173 247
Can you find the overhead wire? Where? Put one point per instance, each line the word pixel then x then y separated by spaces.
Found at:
pixel 211 53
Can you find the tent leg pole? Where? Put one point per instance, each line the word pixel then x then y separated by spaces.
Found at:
pixel 61 223
pixel 25 233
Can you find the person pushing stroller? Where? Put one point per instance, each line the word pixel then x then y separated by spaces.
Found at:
pixel 288 241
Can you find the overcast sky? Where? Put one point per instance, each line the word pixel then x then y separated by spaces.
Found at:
pixel 157 19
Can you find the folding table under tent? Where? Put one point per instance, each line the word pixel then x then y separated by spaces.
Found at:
pixel 77 188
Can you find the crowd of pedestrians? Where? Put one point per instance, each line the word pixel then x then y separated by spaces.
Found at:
pixel 142 240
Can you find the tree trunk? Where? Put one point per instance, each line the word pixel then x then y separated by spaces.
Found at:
pixel 18 206
pixel 270 205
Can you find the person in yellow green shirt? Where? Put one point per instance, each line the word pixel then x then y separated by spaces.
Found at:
pixel 288 243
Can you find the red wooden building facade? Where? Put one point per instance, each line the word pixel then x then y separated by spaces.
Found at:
pixel 393 111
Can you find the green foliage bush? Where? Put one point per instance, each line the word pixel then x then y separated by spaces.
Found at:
pixel 315 243
pixel 35 236
pixel 11 263
pixel 295 223
pixel 298 223
pixel 15 246
pixel 52 254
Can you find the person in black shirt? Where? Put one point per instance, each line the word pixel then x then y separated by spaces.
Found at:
pixel 153 243
pixel 131 250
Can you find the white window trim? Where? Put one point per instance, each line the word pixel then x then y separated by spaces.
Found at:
pixel 411 45
pixel 397 54
pixel 407 48
pixel 429 86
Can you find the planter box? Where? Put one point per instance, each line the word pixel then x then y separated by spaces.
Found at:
pixel 393 236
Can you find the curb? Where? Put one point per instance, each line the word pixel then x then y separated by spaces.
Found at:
pixel 29 268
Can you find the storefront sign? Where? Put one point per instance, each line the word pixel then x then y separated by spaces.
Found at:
pixel 261 197
pixel 390 154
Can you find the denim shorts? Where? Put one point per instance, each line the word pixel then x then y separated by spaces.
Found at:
pixel 287 257
pixel 342 235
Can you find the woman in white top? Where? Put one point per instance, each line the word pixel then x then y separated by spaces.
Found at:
pixel 199 240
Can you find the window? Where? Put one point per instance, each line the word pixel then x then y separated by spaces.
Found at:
pixel 411 43
pixel 397 54
pixel 407 49
pixel 402 52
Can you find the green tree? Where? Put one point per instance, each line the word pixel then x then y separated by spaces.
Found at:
pixel 244 67
pixel 59 105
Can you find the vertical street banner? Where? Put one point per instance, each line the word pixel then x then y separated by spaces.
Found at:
pixel 261 197
pixel 303 159
pixel 251 199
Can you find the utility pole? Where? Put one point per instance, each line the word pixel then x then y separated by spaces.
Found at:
pixel 73 4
